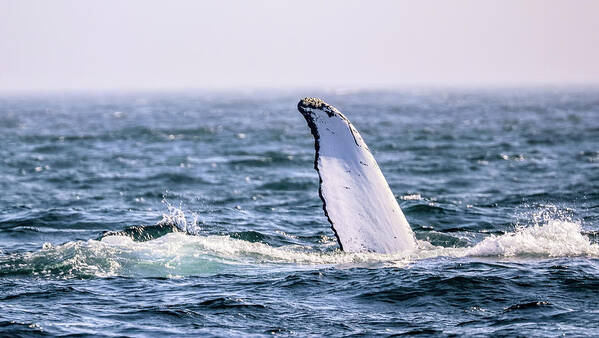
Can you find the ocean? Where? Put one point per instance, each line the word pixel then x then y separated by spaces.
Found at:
pixel 197 213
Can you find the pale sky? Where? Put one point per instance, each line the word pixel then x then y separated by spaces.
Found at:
pixel 116 45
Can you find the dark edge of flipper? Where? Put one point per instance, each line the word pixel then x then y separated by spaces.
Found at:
pixel 314 132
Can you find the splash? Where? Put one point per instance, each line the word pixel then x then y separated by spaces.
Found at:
pixel 176 254
pixel 553 234
pixel 183 254
pixel 176 217
pixel 556 238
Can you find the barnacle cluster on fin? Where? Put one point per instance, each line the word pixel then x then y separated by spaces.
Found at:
pixel 316 103
pixel 312 102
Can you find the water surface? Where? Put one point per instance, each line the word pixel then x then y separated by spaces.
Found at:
pixel 146 214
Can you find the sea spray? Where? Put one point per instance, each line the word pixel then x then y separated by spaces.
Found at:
pixel 177 217
pixel 556 238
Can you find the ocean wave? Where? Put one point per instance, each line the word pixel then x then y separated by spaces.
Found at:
pixel 180 254
pixel 178 246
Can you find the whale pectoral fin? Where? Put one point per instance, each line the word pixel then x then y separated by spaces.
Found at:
pixel 357 200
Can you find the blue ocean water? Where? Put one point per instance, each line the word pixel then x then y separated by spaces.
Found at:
pixel 152 214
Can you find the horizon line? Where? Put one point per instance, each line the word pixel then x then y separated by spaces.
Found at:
pixel 290 88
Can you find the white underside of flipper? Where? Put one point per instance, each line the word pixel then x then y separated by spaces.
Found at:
pixel 357 199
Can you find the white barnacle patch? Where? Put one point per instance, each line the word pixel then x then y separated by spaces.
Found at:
pixel 311 104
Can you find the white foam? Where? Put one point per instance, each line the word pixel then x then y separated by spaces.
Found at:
pixel 557 238
pixel 238 251
pixel 181 254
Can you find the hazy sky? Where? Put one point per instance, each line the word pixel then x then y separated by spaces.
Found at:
pixel 214 44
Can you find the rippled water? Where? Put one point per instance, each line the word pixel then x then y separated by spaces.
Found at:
pixel 198 213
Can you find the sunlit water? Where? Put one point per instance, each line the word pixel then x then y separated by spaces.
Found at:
pixel 198 213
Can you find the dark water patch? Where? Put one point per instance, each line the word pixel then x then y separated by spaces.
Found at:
pixel 485 228
pixel 249 236
pixel 592 235
pixel 50 218
pixel 588 156
pixel 528 306
pixel 177 178
pixel 428 209
pixel 441 239
pixel 46 293
pixel 50 148
pixel 252 161
pixel 143 233
pixel 418 332
pixel 394 295
pixel 288 184
pixel 301 282
pixel 446 217
pixel 270 236
pixel 264 159
pixel 226 303
pixel 177 312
